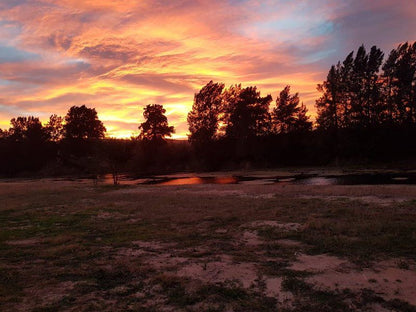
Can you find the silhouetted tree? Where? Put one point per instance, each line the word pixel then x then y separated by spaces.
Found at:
pixel 3 134
pixel 351 93
pixel 363 88
pixel 82 122
pixel 204 117
pixel 400 84
pixel 328 105
pixel 156 126
pixel 246 113
pixel 27 129
pixel 288 116
pixel 55 128
pixel 303 122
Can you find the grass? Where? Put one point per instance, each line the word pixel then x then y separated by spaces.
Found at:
pixel 216 297
pixel 65 245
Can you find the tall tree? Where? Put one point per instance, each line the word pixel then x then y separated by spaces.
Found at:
pixel 400 83
pixel 288 116
pixel 329 104
pixel 156 126
pixel 246 113
pixel 351 93
pixel 55 128
pixel 82 122
pixel 203 119
pixel 363 87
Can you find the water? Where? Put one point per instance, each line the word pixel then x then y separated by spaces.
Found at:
pixel 349 179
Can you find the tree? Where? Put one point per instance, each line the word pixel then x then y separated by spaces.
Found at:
pixel 3 134
pixel 351 93
pixel 156 126
pixel 246 113
pixel 55 128
pixel 288 116
pixel 302 123
pixel 400 84
pixel 328 105
pixel 363 88
pixel 27 129
pixel 82 122
pixel 204 117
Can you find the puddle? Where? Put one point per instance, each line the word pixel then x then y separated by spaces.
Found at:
pixel 301 179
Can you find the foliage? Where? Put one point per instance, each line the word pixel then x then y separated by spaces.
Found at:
pixel 356 96
pixel 27 129
pixel 156 126
pixel 246 113
pixel 288 116
pixel 82 122
pixel 203 119
pixel 55 128
pixel 399 85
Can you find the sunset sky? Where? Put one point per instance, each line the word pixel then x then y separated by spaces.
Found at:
pixel 119 55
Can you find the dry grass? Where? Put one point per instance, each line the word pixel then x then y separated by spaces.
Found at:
pixel 70 246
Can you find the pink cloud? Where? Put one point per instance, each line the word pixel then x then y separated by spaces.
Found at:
pixel 119 55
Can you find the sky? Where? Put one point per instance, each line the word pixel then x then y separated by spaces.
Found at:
pixel 119 55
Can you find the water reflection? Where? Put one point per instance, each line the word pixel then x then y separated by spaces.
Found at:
pixel 352 179
pixel 183 181
pixel 200 180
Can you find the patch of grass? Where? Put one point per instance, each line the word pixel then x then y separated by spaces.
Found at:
pixel 399 305
pixel 65 302
pixel 239 298
pixel 214 296
pixel 310 299
pixel 363 233
pixel 10 286
pixel 175 290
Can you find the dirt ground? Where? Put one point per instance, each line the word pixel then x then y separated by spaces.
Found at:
pixel 74 246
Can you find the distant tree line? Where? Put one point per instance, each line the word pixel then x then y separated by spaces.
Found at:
pixel 366 113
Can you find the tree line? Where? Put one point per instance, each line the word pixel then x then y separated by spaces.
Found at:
pixel 366 113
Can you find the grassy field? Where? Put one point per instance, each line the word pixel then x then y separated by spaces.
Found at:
pixel 73 246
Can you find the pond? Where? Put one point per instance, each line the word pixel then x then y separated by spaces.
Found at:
pixel 302 179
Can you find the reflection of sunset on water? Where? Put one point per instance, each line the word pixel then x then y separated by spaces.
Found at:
pixel 200 180
pixel 183 181
pixel 119 56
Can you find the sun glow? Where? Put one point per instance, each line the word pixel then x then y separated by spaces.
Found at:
pixel 118 56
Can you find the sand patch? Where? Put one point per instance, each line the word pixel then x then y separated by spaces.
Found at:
pixel 318 263
pixel 245 274
pixel 251 238
pixel 273 288
pixel 384 278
